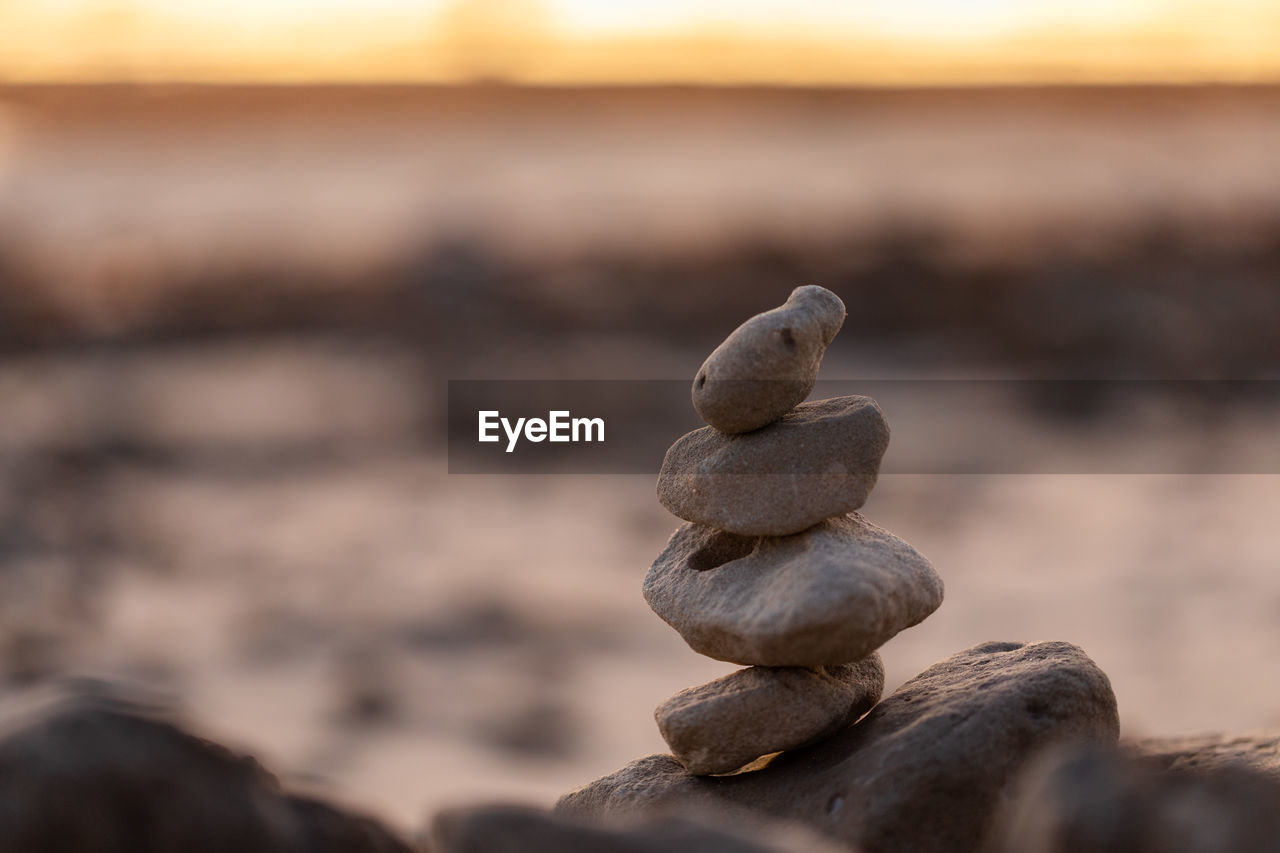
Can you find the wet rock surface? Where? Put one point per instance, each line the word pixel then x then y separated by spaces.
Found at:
pixel 769 363
pixel 725 724
pixel 830 595
pixel 820 460
pixel 925 770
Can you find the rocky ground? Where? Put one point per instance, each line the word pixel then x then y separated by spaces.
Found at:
pixel 309 583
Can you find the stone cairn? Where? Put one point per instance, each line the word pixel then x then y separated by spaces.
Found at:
pixel 777 572
pixel 774 570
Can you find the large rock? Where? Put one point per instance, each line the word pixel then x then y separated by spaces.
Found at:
pixel 1097 801
pixel 720 726
pixel 923 772
pixel 99 774
pixel 830 595
pixel 1258 751
pixel 515 829
pixel 769 363
pixel 819 461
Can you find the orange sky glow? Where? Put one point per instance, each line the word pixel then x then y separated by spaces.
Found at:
pixel 802 42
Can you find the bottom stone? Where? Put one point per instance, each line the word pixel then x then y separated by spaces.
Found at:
pixel 924 771
pixel 720 726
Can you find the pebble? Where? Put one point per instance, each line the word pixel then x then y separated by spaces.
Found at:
pixel 725 724
pixel 819 461
pixel 769 363
pixel 830 595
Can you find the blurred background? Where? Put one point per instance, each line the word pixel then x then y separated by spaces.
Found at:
pixel 244 245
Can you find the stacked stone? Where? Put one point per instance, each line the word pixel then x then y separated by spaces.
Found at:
pixel 775 571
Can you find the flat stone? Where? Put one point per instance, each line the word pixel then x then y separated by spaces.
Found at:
pixel 516 829
pixel 924 772
pixel 830 595
pixel 725 724
pixel 1090 800
pixel 1258 751
pixel 769 363
pixel 819 461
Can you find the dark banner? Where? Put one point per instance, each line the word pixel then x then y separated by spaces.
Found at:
pixel 937 426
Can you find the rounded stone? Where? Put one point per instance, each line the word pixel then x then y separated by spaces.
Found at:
pixel 769 363
pixel 926 771
pixel 720 726
pixel 819 461
pixel 829 595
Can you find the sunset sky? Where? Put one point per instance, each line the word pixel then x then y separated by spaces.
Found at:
pixel 608 41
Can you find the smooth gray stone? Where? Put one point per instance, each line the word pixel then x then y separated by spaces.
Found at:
pixel 720 726
pixel 820 460
pixel 830 595
pixel 769 363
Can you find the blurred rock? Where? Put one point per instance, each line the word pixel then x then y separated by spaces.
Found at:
pixel 514 829
pixel 830 595
pixel 1258 751
pixel 322 827
pixel 367 686
pixel 820 460
pixel 720 726
pixel 100 774
pixel 29 655
pixel 924 771
pixel 768 364
pixel 1087 800
pixel 534 728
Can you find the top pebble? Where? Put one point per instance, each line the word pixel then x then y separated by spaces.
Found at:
pixel 769 363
